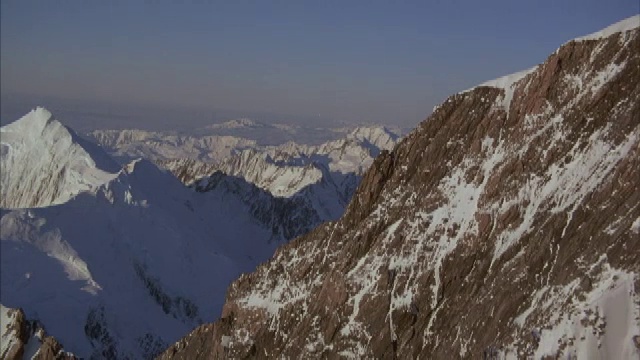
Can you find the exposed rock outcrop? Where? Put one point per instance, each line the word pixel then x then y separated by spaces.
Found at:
pixel 507 224
pixel 27 339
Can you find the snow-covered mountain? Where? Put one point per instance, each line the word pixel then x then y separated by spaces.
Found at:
pixel 280 178
pixel 287 169
pixel 507 225
pixel 45 163
pixel 318 180
pixel 126 264
pixel 378 136
pixel 352 153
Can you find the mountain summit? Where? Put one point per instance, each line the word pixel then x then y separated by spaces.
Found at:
pixel 505 226
pixel 45 163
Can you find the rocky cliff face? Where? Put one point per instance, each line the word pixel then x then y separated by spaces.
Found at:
pixel 507 224
pixel 27 339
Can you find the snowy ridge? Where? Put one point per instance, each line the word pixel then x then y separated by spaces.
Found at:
pixel 220 141
pixel 378 136
pixel 349 156
pixel 45 163
pixel 285 170
pixel 322 177
pixel 508 82
pixel 621 26
pixel 188 170
pixel 281 180
pixel 504 82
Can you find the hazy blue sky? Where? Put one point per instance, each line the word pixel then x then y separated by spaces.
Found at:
pixel 354 61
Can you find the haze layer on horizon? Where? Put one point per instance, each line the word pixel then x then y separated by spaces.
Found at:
pixel 313 63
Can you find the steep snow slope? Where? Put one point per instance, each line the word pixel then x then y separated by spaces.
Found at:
pixel 381 138
pixel 352 153
pixel 318 200
pixel 319 180
pixel 129 262
pixel 287 169
pixel 287 217
pixel 504 226
pixel 44 163
pixel 279 178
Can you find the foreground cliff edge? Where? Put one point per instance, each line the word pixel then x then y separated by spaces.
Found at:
pixel 27 339
pixel 507 224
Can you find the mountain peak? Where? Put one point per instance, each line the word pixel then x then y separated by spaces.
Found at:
pixel 40 112
pixel 37 123
pixel 35 120
pixel 369 130
pixel 508 82
pixel 378 136
pixel 47 163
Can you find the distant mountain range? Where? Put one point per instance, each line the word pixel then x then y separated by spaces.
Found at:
pixel 215 142
pixel 316 180
pixel 119 260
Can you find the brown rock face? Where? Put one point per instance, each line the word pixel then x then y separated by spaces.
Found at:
pixel 50 348
pixel 18 333
pixel 506 224
pixel 15 333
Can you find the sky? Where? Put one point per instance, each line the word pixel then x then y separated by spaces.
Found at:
pixel 386 62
